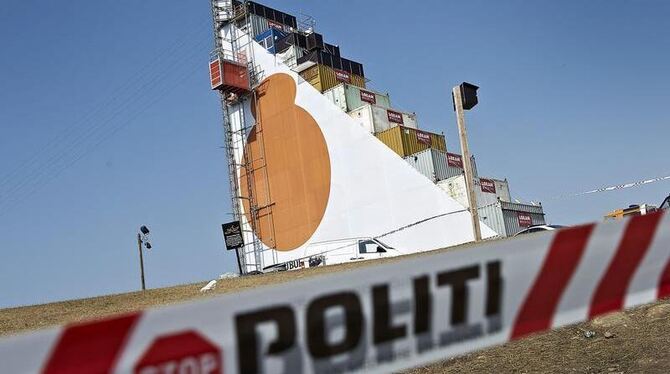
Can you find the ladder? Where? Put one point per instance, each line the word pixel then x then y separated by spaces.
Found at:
pixel 241 50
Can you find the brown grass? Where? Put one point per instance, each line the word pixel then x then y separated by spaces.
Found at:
pixel 15 320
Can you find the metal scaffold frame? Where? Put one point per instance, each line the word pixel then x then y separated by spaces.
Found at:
pixel 241 51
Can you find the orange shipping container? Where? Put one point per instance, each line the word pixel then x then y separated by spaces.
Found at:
pixel 228 76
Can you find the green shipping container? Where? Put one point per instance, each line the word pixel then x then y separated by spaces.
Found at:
pixel 349 97
pixel 405 141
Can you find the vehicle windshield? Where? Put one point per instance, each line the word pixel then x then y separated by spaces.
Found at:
pixel 666 203
pixel 383 244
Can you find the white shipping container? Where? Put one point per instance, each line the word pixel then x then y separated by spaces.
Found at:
pixel 434 165
pixel 507 219
pixel 349 97
pixel 375 118
pixel 455 187
pixel 290 56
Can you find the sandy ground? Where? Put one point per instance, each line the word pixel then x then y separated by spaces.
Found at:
pixel 635 341
pixel 627 342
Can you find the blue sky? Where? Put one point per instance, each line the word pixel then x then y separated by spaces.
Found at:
pixel 107 122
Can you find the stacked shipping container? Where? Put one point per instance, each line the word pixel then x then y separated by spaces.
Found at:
pixel 323 77
pixel 406 141
pixel 320 56
pixel 438 165
pixel 318 62
pixel 494 203
pixel 269 38
pixel 376 118
pixel 343 82
pixel 487 190
pixel 507 218
pixel 349 97
pixel 262 18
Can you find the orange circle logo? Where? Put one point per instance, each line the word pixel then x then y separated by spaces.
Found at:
pixel 288 173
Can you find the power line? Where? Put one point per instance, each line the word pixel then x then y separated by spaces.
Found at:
pixel 120 91
pixel 614 188
pixel 48 170
pixel 46 178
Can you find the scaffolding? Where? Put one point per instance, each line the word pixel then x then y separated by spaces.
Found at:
pixel 237 46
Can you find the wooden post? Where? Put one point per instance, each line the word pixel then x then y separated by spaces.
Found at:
pixel 467 163
pixel 139 246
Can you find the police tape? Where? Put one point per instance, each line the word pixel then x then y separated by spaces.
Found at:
pixel 378 318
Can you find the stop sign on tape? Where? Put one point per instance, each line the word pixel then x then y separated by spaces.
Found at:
pixel 182 353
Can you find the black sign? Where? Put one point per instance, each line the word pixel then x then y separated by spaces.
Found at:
pixel 232 233
pixel 468 95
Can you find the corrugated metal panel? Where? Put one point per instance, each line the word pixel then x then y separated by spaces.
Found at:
pixel 536 209
pixel 364 117
pixel 393 139
pixel 409 120
pixel 348 97
pixel 510 216
pixel 486 198
pixel 336 96
pixel 356 80
pixel 327 78
pixel 492 217
pixel 503 217
pixel 323 77
pixel 474 165
pixel 311 75
pixel 290 56
pixel 375 118
pixel 277 16
pixel 432 163
pixel 404 141
pixel 458 170
pixel 235 76
pixel 456 188
pixel 258 24
pixel 353 97
pixel 318 56
pixel 424 163
pixel 502 190
pixel 413 144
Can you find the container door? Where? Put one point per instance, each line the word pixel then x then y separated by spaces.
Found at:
pixel 340 97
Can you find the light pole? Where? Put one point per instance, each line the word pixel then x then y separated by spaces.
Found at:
pixel 143 238
pixel 465 98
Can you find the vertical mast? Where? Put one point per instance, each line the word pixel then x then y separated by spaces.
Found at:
pixel 236 46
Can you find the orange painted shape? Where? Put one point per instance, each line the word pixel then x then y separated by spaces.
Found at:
pixel 290 179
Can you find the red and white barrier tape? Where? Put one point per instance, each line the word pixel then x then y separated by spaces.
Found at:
pixel 617 187
pixel 378 318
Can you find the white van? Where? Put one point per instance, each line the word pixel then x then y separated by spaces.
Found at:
pixel 337 252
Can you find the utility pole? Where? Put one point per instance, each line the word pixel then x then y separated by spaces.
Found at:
pixel 139 247
pixel 143 238
pixel 458 94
